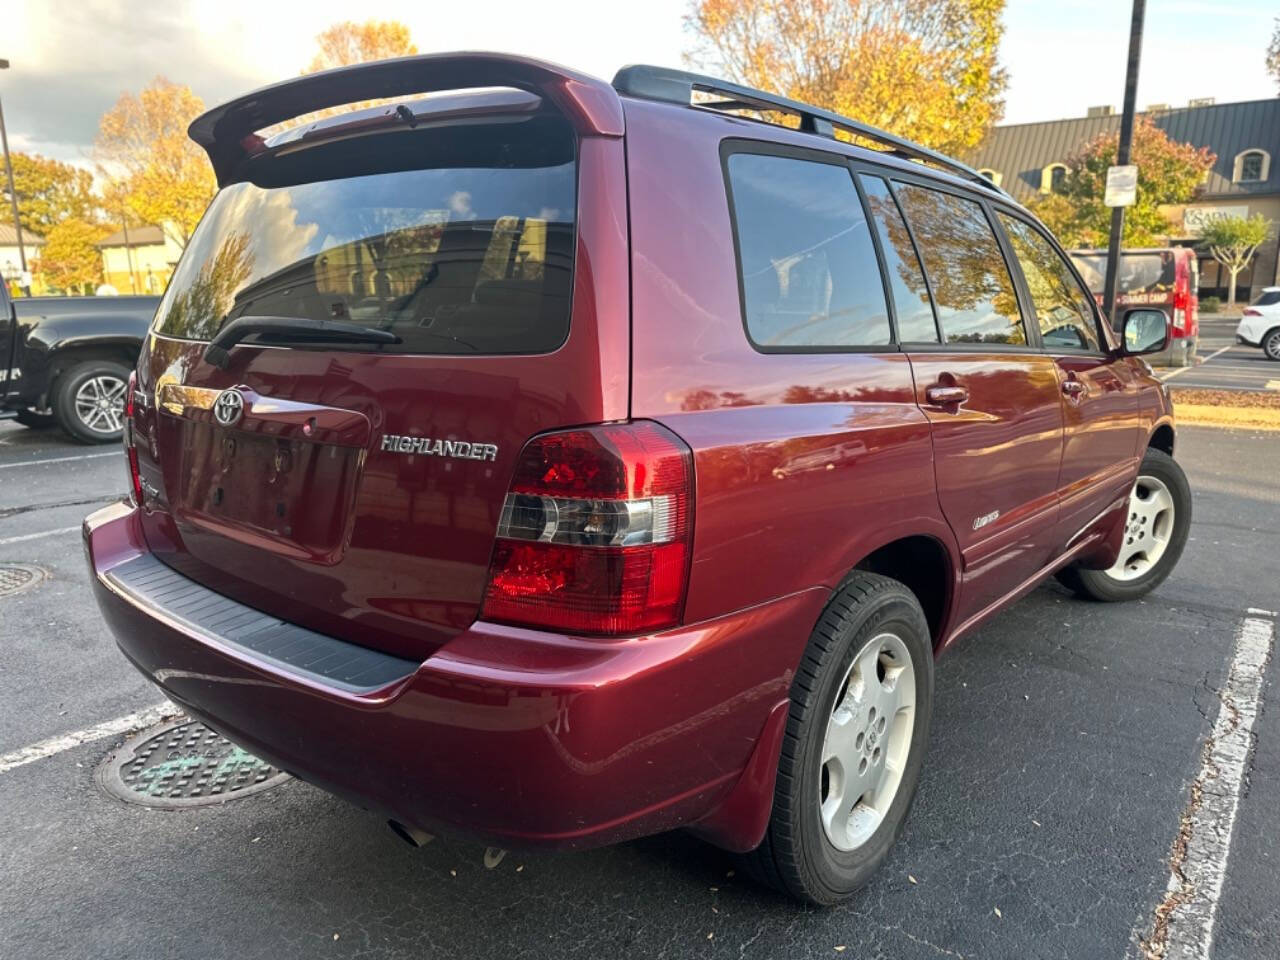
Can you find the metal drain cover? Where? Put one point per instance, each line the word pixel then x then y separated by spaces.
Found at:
pixel 184 764
pixel 16 577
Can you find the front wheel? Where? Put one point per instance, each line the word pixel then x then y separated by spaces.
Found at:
pixel 1155 532
pixel 858 727
pixel 1271 344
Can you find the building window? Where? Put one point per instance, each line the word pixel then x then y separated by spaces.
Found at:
pixel 993 175
pixel 1251 166
pixel 1053 178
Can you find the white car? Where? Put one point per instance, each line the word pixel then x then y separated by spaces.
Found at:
pixel 1260 325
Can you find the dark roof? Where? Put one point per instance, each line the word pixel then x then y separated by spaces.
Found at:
pixel 9 237
pixel 138 237
pixel 1020 151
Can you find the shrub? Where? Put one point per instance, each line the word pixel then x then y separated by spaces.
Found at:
pixel 1210 304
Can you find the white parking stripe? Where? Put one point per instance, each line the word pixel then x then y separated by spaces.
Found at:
pixel 109 728
pixel 82 456
pixel 1181 370
pixel 1185 919
pixel 37 536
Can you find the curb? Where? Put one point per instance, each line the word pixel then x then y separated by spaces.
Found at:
pixel 1203 415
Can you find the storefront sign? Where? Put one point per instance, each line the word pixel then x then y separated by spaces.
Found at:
pixel 1195 219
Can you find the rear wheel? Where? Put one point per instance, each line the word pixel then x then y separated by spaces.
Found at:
pixel 88 401
pixel 1155 533
pixel 861 705
pixel 1271 344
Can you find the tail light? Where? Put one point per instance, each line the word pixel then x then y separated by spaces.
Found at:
pixel 595 532
pixel 1250 312
pixel 130 445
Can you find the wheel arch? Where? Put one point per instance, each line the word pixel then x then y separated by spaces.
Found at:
pixel 1162 437
pixel 61 360
pixel 926 567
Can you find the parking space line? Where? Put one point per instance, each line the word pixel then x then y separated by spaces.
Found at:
pixel 36 463
pixel 4 541
pixel 1180 370
pixel 1184 921
pixel 100 731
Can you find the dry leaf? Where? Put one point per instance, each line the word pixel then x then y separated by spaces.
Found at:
pixel 453 872
pixel 711 936
pixel 840 948
pixel 998 913
pixel 911 879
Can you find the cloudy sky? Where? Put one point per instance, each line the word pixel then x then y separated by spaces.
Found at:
pixel 71 59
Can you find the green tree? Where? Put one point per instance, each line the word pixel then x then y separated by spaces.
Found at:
pixel 1233 241
pixel 1168 173
pixel 49 192
pixel 70 259
pixel 147 159
pixel 923 69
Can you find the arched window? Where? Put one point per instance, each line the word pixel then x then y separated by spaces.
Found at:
pixel 1053 178
pixel 1251 165
pixel 993 175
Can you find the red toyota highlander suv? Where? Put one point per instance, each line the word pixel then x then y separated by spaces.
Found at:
pixel 568 462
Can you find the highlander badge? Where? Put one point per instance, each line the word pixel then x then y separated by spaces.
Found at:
pixel 459 449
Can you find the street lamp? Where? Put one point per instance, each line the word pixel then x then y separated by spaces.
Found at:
pixel 13 194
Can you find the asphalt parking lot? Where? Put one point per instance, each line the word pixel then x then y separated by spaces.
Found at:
pixel 1226 365
pixel 1067 736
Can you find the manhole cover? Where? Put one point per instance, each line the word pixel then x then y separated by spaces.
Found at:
pixel 15 577
pixel 184 764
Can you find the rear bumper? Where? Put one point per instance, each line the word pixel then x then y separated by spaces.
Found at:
pixel 520 736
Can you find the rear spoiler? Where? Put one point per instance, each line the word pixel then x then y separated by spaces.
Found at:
pixel 228 133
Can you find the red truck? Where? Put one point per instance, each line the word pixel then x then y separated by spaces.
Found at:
pixel 568 461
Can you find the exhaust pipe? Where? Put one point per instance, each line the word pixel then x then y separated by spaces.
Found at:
pixel 410 835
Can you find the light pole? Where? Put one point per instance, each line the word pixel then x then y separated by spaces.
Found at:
pixel 13 194
pixel 1122 157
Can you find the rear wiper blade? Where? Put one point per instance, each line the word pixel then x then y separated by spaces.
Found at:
pixel 289 330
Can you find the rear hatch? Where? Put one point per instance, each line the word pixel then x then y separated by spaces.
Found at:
pixel 355 487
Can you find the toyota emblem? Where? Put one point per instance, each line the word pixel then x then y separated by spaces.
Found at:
pixel 229 407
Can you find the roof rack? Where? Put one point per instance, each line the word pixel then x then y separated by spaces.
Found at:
pixel 678 86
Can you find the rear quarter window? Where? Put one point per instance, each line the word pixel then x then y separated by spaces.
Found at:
pixel 474 256
pixel 809 273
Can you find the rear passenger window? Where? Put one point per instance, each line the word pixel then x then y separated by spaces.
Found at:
pixel 810 277
pixel 906 279
pixel 972 289
pixel 1063 309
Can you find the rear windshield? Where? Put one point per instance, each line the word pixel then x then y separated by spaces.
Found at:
pixel 1139 272
pixel 1267 298
pixel 471 255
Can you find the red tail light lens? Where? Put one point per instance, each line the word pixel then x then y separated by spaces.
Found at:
pixel 595 532
pixel 130 446
pixel 1252 313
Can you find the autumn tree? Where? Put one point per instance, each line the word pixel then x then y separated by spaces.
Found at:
pixel 1273 55
pixel 49 192
pixel 70 259
pixel 1233 241
pixel 146 157
pixel 1168 173
pixel 923 69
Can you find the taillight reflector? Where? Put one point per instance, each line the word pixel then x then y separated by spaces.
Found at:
pixel 595 532
pixel 130 444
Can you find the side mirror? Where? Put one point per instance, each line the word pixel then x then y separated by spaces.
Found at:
pixel 1144 331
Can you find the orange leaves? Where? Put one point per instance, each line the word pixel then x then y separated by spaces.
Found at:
pixel 924 69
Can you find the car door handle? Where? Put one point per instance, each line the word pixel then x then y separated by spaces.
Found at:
pixel 945 396
pixel 1074 389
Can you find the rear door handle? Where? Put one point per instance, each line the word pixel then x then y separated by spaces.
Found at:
pixel 946 396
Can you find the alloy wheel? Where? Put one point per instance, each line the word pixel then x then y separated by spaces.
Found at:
pixel 867 741
pixel 99 403
pixel 1147 529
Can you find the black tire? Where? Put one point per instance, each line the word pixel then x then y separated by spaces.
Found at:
pixel 36 421
pixel 796 856
pixel 65 391
pixel 1100 584
pixel 1271 344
